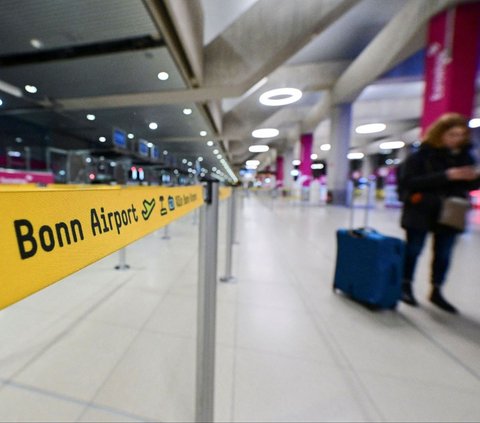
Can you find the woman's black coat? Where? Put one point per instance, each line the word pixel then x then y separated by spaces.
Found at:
pixel 423 183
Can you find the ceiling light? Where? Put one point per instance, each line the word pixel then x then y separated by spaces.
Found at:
pixel 184 161
pixel 314 156
pixel 392 145
pixel 252 162
pixel 214 169
pixel 219 156
pixel 355 156
pixel 325 147
pixel 1 102
pixel 31 89
pixel 294 172
pixel 131 136
pixel 102 139
pixel 190 164
pixel 265 133
pixel 149 145
pixel 215 151
pixel 370 128
pixel 474 123
pixel 163 76
pixel 280 96
pixel 203 133
pixel 200 159
pixel 90 117
pixel 36 43
pixel 19 140
pixel 258 148
pixel 187 111
pixel 153 125
pixel 165 152
pixel 210 143
pixel 317 166
pixel 296 162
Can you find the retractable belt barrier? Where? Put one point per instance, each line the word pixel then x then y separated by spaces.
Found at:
pixel 49 233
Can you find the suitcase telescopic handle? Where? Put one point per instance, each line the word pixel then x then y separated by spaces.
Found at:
pixel 366 226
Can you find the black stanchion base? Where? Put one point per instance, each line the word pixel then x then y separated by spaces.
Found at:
pixel 227 279
pixel 122 267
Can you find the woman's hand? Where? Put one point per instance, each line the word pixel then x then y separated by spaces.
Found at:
pixel 462 173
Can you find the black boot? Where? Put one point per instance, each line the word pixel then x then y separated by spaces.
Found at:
pixel 407 294
pixel 436 298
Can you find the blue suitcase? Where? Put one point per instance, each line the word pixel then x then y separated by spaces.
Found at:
pixel 369 266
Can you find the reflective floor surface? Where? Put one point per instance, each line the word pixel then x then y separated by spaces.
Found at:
pixel 107 345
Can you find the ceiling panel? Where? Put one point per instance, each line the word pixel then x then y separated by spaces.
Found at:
pixel 62 23
pixel 350 34
pixel 119 73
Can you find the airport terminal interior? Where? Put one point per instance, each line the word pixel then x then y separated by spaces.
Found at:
pixel 223 309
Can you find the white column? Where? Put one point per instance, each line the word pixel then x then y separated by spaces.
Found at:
pixel 287 168
pixel 338 165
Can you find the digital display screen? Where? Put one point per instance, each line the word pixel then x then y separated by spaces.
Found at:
pixel 166 178
pixel 143 148
pixel 119 138
pixel 155 153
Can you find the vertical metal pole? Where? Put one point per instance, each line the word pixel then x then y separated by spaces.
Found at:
pixel 166 235
pixel 235 193
pixel 122 260
pixel 230 234
pixel 206 309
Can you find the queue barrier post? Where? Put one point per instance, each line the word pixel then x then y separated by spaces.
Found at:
pixel 122 265
pixel 166 232
pixel 206 309
pixel 230 238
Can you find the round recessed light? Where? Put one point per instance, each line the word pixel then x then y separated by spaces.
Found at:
pixel 163 76
pixel 184 161
pixel 1 102
pixel 280 96
pixel 210 143
pixel 165 152
pixel 392 145
pixel 203 133
pixel 19 140
pixel 296 162
pixel 102 139
pixel 149 145
pixel 90 117
pixel 36 43
pixel 215 151
pixel 325 147
pixel 187 111
pixel 153 125
pixel 31 89
pixel 219 156
pixel 258 148
pixel 474 123
pixel 317 166
pixel 252 162
pixel 314 156
pixel 265 133
pixel 370 128
pixel 131 136
pixel 355 156
pixel 200 159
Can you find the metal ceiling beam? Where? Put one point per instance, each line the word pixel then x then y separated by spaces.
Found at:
pixel 396 42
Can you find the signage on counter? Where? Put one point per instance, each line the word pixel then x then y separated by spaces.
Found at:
pixel 47 234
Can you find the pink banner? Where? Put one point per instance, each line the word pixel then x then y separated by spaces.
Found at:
pixel 279 172
pixel 306 144
pixel 451 63
pixel 10 176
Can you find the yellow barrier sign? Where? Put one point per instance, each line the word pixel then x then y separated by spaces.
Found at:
pixel 224 193
pixel 47 234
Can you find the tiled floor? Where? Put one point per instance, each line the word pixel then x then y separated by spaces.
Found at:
pixel 106 345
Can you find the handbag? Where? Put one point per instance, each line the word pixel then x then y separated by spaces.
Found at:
pixel 454 212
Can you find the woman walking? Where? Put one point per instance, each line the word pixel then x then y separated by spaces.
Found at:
pixel 443 167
